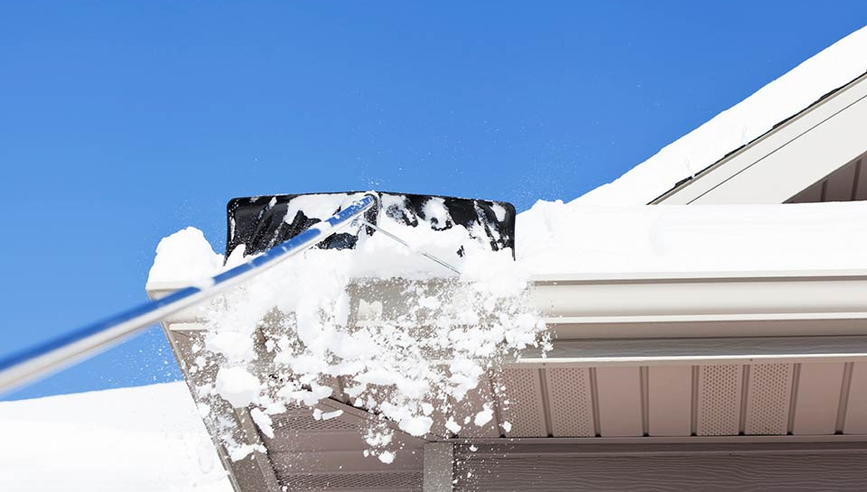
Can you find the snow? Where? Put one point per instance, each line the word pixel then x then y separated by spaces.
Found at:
pixel 331 415
pixel 834 67
pixel 144 439
pixel 405 357
pixel 557 239
pixel 386 457
pixel 484 416
pixel 416 426
pixel 418 353
pixel 318 206
pixel 263 422
pixel 185 256
pixel 237 386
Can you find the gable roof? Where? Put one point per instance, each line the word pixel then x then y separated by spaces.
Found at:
pixel 777 102
pixel 809 148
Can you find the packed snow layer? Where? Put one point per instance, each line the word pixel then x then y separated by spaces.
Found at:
pixel 834 67
pixel 145 439
pixel 187 257
pixel 554 238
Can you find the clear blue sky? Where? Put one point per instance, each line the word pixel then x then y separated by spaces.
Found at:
pixel 122 122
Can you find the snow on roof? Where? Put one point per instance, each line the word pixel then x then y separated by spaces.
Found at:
pixel 144 439
pixel 832 68
pixel 554 238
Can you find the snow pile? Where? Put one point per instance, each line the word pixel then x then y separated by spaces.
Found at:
pixel 408 338
pixel 146 439
pixel 558 239
pixel 185 256
pixel 834 67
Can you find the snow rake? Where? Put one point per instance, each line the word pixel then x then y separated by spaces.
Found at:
pixel 271 229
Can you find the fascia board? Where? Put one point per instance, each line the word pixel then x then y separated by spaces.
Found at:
pixel 788 159
pixel 698 351
pixel 692 297
pixel 679 304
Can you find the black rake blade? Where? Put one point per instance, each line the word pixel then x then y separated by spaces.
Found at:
pixel 262 222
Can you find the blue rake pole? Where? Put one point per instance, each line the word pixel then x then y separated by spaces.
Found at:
pixel 40 360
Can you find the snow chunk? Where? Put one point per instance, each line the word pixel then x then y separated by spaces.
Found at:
pixel 483 417
pixel 320 415
pixel 386 457
pixel 237 386
pixel 263 421
pixel 185 256
pixel 453 426
pixel 239 452
pixel 416 426
pixel 236 347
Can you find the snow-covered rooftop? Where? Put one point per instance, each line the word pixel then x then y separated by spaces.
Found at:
pixel 830 69
pixel 554 238
pixel 144 439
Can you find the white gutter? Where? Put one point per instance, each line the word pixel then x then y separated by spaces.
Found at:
pixel 704 304
pixel 717 304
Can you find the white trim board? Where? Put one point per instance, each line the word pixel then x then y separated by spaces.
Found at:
pixel 698 351
pixel 788 159
pixel 682 305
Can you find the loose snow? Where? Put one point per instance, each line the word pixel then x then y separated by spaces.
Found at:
pixel 403 356
pixel 263 422
pixel 145 439
pixel 237 386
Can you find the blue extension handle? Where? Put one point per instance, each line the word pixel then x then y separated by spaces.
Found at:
pixel 50 356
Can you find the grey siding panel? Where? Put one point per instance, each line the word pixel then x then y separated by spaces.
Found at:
pixel 783 472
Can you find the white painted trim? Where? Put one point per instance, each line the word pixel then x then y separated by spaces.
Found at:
pixel 685 305
pixel 788 159
pixel 694 306
pixel 560 278
pixel 698 351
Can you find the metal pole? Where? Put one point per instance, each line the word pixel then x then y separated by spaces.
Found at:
pixel 50 356
pixel 401 241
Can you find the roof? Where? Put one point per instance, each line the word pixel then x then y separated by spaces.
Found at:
pixel 778 101
pixel 148 438
pixel 562 239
